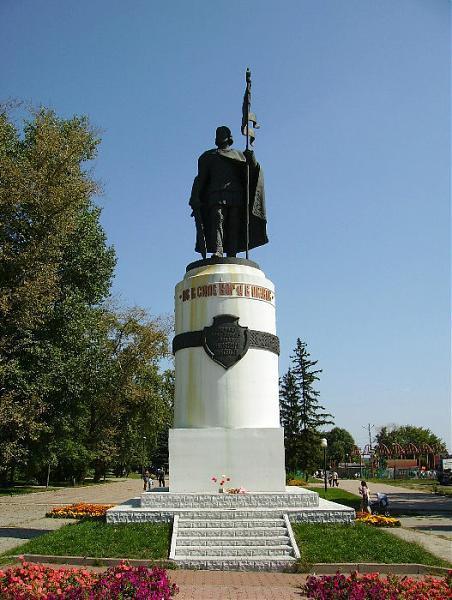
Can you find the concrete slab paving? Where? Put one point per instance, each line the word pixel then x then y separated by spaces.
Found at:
pixel 403 500
pixel 435 525
pixel 218 585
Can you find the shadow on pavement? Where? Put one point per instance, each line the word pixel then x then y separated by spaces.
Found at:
pixel 432 527
pixel 401 503
pixel 21 532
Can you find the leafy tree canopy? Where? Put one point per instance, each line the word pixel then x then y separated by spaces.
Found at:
pixel 340 444
pixel 80 380
pixel 409 434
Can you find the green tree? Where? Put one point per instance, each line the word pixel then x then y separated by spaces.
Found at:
pixel 54 266
pixel 301 411
pixel 134 404
pixel 340 444
pixel 410 434
pixel 290 415
pixel 305 375
pixel 80 381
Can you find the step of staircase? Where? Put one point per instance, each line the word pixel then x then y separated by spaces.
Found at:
pixel 230 521
pixel 243 533
pixel 234 542
pixel 187 542
pixel 230 551
pixel 294 497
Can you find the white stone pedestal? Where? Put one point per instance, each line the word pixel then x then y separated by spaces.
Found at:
pixel 227 423
pixel 252 458
pixel 226 419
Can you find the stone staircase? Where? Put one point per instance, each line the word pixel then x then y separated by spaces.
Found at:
pixel 249 531
pixel 236 542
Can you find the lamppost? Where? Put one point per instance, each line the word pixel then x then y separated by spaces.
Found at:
pixel 143 460
pixel 324 444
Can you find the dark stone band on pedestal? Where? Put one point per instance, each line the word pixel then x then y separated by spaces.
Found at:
pixel 224 260
pixel 257 339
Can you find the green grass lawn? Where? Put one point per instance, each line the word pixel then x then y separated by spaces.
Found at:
pixel 22 488
pixel 16 490
pixel 99 540
pixel 340 496
pixel 423 485
pixel 358 543
pixel 317 543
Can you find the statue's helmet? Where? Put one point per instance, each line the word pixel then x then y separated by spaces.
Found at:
pixel 223 135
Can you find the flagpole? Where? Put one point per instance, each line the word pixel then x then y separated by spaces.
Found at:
pixel 248 81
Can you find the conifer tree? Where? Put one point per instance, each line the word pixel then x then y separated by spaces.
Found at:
pixel 290 414
pixel 302 415
pixel 305 376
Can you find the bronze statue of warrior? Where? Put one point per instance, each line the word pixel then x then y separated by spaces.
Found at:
pixel 218 199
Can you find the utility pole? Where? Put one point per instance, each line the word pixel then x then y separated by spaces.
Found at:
pixel 369 428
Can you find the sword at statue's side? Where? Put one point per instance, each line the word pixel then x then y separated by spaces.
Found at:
pixel 248 116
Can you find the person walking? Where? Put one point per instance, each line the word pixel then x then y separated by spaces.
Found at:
pixel 146 479
pixel 335 479
pixel 161 476
pixel 365 497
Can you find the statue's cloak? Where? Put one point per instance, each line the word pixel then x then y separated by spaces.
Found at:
pixel 257 213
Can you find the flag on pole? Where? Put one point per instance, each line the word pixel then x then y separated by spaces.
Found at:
pixel 247 115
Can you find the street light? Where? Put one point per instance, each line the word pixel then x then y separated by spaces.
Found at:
pixel 324 444
pixel 143 458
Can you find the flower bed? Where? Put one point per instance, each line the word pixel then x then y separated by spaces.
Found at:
pixel 239 490
pixel 377 520
pixel 34 581
pixel 374 587
pixel 298 482
pixel 81 510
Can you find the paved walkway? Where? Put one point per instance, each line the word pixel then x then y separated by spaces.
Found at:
pixel 404 500
pixel 23 517
pixel 224 585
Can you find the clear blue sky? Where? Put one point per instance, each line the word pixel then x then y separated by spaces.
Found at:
pixel 354 102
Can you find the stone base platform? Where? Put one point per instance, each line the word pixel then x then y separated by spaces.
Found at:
pixel 300 504
pixel 249 531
